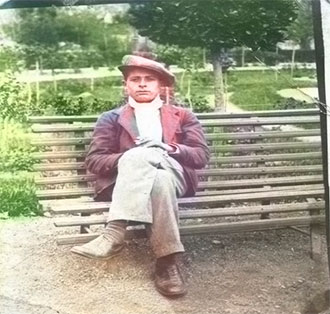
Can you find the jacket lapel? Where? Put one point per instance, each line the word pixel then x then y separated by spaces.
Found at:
pixel 128 122
pixel 170 120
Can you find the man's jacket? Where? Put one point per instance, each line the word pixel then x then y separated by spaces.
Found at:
pixel 116 130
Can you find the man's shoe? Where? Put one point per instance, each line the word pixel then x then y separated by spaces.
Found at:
pixel 103 247
pixel 169 281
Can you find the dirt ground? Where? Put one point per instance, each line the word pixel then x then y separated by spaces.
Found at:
pixel 261 272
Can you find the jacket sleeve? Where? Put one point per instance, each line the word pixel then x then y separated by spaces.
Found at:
pixel 103 154
pixel 192 151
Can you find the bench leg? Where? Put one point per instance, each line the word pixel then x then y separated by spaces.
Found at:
pixel 265 215
pixel 315 237
pixel 84 228
pixel 316 240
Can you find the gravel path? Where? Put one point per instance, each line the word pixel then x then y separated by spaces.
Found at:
pixel 269 272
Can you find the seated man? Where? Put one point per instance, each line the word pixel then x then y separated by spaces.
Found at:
pixel 144 155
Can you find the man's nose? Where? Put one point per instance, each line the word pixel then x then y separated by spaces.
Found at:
pixel 142 82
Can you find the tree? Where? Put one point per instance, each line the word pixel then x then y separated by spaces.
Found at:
pixel 50 33
pixel 216 25
pixel 301 29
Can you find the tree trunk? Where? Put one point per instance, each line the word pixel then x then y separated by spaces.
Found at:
pixel 204 58
pixel 243 56
pixel 219 103
pixel 182 80
pixel 188 94
pixel 293 60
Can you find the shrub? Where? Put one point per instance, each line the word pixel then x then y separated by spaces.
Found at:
pixel 291 103
pixel 68 105
pixel 13 102
pixel 15 146
pixel 18 195
pixel 65 104
pixel 199 103
pixel 99 105
pixel 9 59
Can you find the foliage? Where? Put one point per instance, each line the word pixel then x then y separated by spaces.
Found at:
pixel 13 99
pixel 9 59
pixel 66 104
pixel 301 30
pixel 18 195
pixel 60 39
pixel 291 103
pixel 188 58
pixel 271 57
pixel 199 104
pixel 214 24
pixel 15 146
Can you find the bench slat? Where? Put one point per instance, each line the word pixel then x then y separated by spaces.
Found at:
pixel 263 181
pixel 203 213
pixel 253 225
pixel 229 159
pixel 91 206
pixel 212 171
pixel 214 137
pixel 201 185
pixel 206 119
pixel 90 191
pixel 260 189
pixel 216 149
pixel 213 115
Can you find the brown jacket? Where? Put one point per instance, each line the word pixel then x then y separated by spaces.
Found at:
pixel 116 130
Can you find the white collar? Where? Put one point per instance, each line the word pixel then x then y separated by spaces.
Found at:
pixel 155 104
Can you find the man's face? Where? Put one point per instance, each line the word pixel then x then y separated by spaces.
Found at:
pixel 143 85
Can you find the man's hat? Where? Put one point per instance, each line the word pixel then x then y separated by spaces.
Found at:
pixel 131 61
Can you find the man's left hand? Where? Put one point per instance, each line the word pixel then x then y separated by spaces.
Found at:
pixel 148 142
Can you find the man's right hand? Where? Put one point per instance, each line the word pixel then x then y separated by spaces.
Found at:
pixel 149 142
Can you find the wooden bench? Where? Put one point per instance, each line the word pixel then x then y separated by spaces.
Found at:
pixel 265 172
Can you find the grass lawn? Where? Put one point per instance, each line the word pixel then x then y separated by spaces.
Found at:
pixel 258 90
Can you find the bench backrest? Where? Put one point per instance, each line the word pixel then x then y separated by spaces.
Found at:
pixel 250 151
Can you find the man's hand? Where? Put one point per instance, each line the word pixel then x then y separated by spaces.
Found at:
pixel 148 142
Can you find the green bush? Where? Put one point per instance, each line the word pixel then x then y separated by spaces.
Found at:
pixel 9 59
pixel 199 103
pixel 65 104
pixel 15 146
pixel 291 103
pixel 99 105
pixel 68 105
pixel 18 195
pixel 13 102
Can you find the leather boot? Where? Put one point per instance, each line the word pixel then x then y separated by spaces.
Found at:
pixel 107 245
pixel 168 278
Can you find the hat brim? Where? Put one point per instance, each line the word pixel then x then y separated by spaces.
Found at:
pixel 168 77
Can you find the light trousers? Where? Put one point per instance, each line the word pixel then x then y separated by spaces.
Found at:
pixel 146 190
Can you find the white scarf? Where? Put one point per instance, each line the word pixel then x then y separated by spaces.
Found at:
pixel 147 117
